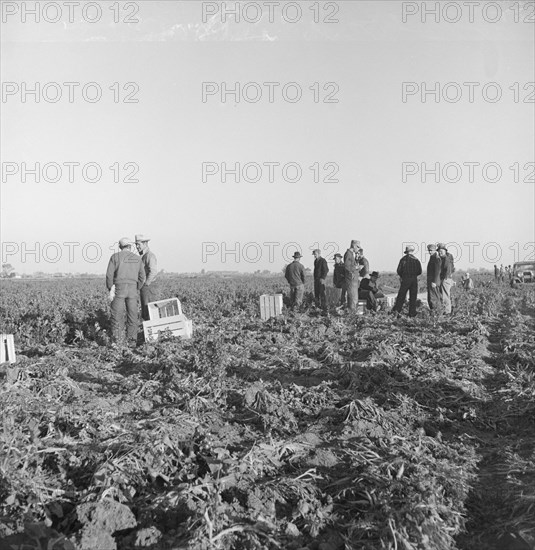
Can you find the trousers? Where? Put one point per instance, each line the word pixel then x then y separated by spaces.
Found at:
pixel 148 293
pixel 320 294
pixel 125 299
pixel 410 285
pixel 433 298
pixel 353 294
pixel 445 294
pixel 296 295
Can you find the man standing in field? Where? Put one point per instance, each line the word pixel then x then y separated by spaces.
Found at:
pixel 126 272
pixel 339 277
pixel 148 292
pixel 352 274
pixel 295 275
pixel 320 274
pixel 433 279
pixel 363 263
pixel 446 277
pixel 409 269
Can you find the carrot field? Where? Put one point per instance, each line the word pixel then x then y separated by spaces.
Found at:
pixel 306 431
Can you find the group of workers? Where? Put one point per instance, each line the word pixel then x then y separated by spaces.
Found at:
pixel 355 282
pixel 127 274
pixel 501 272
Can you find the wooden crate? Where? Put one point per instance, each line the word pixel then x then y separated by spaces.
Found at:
pixel 7 349
pixel 270 306
pixel 177 325
pixel 389 300
pixel 164 308
pixel 361 307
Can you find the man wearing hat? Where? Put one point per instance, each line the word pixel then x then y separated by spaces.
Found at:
pixel 126 272
pixel 351 282
pixel 320 274
pixel 369 291
pixel 409 269
pixel 446 277
pixel 295 275
pixel 434 267
pixel 148 292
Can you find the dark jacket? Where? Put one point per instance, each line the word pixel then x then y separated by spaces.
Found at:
pixel 339 275
pixel 320 268
pixel 433 269
pixel 365 269
pixel 295 273
pixel 446 269
pixel 409 267
pixel 125 267
pixel 368 284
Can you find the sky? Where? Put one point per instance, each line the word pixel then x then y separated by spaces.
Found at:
pixel 352 144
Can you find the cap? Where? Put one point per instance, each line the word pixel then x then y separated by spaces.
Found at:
pixel 432 247
pixel 337 256
pixel 316 250
pixel 125 241
pixel 355 242
pixel 409 248
pixel 441 246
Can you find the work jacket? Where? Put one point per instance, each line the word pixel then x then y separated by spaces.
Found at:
pixel 125 267
pixel 150 265
pixel 320 268
pixel 295 274
pixel 433 269
pixel 409 267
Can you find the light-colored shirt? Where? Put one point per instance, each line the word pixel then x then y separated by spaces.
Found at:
pixel 150 265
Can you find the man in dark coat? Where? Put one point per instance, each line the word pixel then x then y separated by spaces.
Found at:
pixel 339 277
pixel 434 267
pixel 409 269
pixel 125 272
pixel 369 291
pixel 320 273
pixel 363 263
pixel 295 275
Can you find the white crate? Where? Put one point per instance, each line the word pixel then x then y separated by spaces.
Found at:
pixel 177 325
pixel 390 300
pixel 7 349
pixel 270 306
pixel 164 308
pixel 361 307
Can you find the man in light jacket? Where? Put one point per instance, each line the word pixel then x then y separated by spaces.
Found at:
pixel 126 272
pixel 148 292
pixel 352 274
pixel 446 277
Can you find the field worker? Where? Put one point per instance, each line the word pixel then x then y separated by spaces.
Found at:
pixel 502 274
pixel 295 275
pixel 351 280
pixel 409 269
pixel 363 262
pixel 433 279
pixel 496 272
pixel 467 281
pixel 446 277
pixel 339 276
pixel 369 291
pixel 320 274
pixel 148 292
pixel 125 271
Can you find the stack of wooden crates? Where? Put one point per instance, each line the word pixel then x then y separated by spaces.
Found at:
pixel 270 306
pixel 166 315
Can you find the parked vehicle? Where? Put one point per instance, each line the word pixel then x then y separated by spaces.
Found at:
pixel 523 272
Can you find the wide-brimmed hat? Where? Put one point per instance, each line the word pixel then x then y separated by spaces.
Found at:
pixel 125 241
pixel 142 238
pixel 409 248
pixel 297 255
pixel 374 274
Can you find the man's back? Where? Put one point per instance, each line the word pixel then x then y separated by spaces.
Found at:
pixel 409 266
pixel 124 267
pixel 295 273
